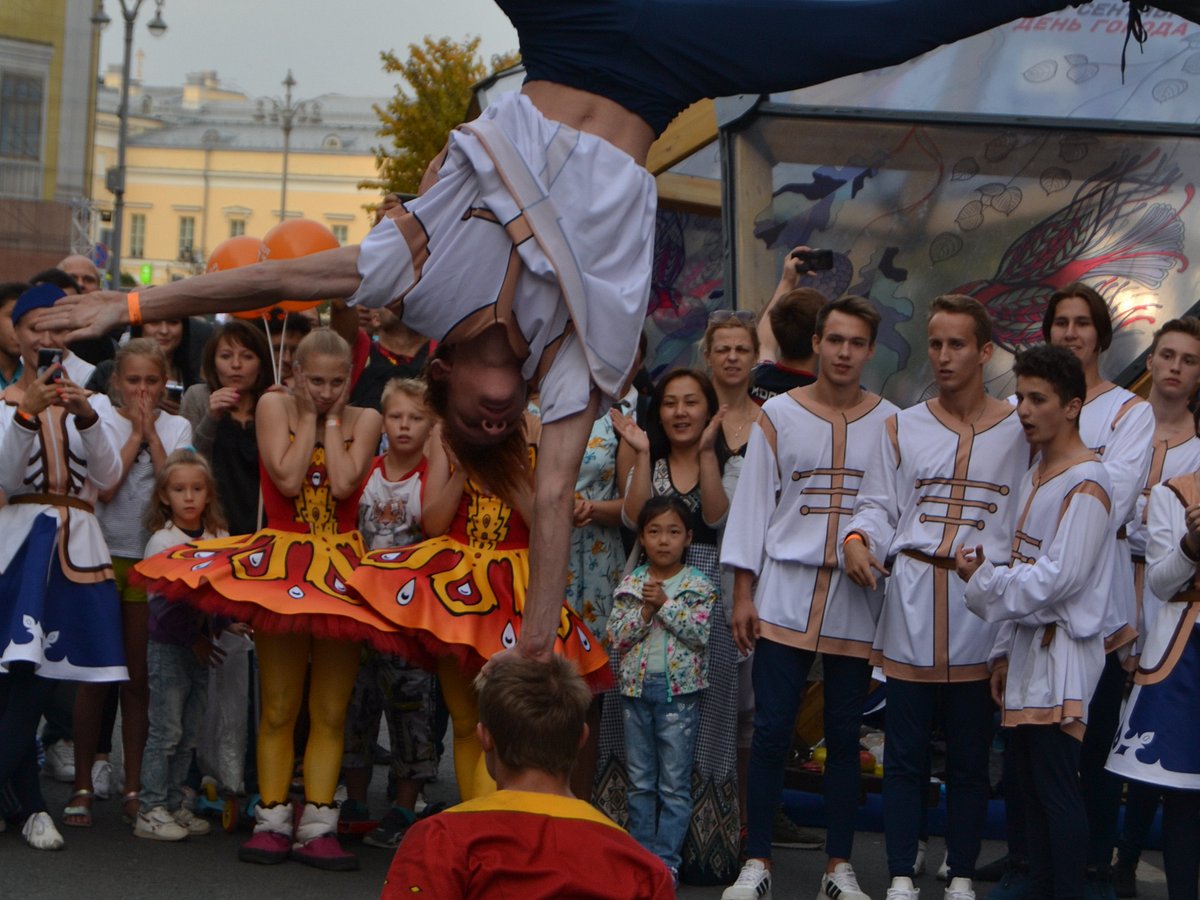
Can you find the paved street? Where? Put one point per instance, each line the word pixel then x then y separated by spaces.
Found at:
pixel 106 862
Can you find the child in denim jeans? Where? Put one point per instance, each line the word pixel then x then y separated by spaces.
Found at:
pixel 659 626
pixel 181 651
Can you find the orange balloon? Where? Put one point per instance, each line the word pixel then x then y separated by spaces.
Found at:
pixel 294 238
pixel 233 252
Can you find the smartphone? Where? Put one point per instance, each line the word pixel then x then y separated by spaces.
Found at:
pixel 814 260
pixel 174 391
pixel 48 357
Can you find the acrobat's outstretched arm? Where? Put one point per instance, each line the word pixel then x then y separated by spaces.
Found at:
pixel 333 273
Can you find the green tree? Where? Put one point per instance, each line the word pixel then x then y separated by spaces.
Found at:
pixel 432 98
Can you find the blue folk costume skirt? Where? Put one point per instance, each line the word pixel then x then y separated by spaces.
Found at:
pixel 1159 738
pixel 69 630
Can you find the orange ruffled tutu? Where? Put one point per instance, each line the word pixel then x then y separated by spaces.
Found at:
pixel 463 594
pixel 291 576
pixel 278 581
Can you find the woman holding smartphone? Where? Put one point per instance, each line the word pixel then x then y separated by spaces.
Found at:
pixel 59 614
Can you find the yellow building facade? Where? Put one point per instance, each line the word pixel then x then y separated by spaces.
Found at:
pixel 48 51
pixel 205 163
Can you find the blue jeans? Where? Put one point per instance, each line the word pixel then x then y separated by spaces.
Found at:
pixel 178 696
pixel 780 679
pixel 660 741
pixel 908 725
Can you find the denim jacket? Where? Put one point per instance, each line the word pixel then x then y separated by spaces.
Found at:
pixel 684 618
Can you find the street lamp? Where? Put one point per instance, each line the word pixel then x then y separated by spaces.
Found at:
pixel 285 112
pixel 115 177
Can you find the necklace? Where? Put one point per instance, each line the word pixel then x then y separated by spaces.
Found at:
pixel 737 431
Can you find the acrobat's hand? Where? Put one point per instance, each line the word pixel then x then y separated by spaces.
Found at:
pixel 967 560
pixel 523 648
pixel 86 315
pixel 861 564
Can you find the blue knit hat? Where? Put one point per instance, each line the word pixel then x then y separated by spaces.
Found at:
pixel 37 297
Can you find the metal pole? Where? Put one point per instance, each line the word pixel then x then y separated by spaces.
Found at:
pixel 118 187
pixel 286 120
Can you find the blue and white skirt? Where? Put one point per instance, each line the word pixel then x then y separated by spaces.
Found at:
pixel 1159 738
pixel 69 631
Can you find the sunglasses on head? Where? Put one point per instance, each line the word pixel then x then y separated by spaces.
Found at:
pixel 745 316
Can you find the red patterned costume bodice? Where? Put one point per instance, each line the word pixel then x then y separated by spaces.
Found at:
pixel 488 523
pixel 314 510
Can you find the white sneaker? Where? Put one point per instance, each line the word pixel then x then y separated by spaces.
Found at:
pixel 943 872
pixel 841 884
pixel 960 889
pixel 919 864
pixel 40 834
pixel 753 883
pixel 102 779
pixel 902 889
pixel 60 761
pixel 159 825
pixel 192 823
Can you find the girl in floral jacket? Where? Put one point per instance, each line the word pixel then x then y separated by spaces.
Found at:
pixel 659 626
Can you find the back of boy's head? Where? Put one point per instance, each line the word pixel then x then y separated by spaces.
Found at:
pixel 793 321
pixel 1057 366
pixel 535 712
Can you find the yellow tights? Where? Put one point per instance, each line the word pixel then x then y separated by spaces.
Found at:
pixel 282 662
pixel 469 767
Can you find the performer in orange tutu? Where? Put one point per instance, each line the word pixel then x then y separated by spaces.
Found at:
pixel 454 600
pixel 289 581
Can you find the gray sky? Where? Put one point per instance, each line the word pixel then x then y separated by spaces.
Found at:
pixel 331 46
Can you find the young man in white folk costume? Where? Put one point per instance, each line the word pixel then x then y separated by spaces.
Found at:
pixel 1118 426
pixel 1174 367
pixel 1154 722
pixel 806 459
pixel 1049 651
pixel 945 472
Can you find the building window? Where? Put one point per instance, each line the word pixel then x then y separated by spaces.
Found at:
pixel 20 116
pixel 137 235
pixel 341 232
pixel 187 236
pixel 237 227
